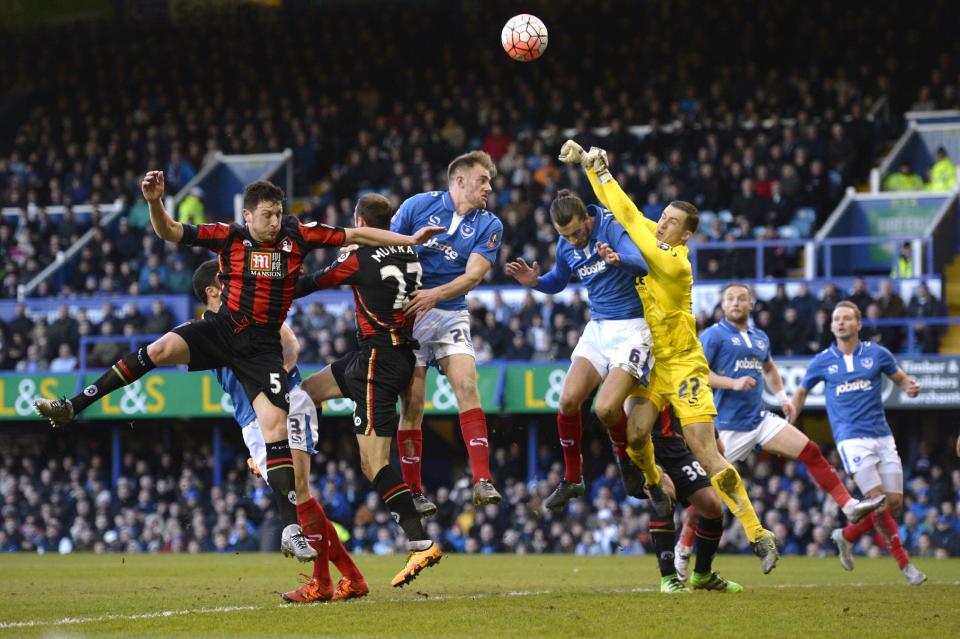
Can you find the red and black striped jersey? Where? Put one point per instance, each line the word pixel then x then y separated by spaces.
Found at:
pixel 259 277
pixel 381 277
pixel 667 425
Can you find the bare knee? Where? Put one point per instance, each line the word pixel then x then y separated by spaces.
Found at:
pixel 609 413
pixel 708 504
pixel 411 417
pixel 569 405
pixel 465 390
pixel 894 503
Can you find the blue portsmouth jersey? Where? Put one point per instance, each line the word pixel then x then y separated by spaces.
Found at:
pixel 733 353
pixel 612 292
pixel 444 257
pixel 242 410
pixel 853 389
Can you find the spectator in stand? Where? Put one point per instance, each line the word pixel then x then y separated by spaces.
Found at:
pixel 805 304
pixel 829 296
pixel 887 336
pixel 160 320
pixel 191 209
pixel 821 336
pixel 904 179
pixel 943 173
pixel 859 295
pixel 923 304
pixel 106 353
pixel 153 267
pixel 796 334
pixel 65 361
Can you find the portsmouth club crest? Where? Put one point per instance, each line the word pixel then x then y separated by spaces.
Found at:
pixel 760 344
pixel 467 231
pixel 866 362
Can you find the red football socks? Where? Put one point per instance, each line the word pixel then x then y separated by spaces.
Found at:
pixel 322 536
pixel 824 473
pixel 339 556
pixel 570 428
pixel 888 528
pixel 618 437
pixel 473 427
pixel 313 520
pixel 410 447
pixel 853 532
pixel 691 521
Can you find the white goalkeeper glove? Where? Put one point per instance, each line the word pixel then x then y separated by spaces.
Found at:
pixel 596 160
pixel 571 153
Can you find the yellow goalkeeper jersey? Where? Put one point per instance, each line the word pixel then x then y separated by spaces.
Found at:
pixel 666 290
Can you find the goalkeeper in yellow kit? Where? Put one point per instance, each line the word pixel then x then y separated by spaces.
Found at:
pixel 680 371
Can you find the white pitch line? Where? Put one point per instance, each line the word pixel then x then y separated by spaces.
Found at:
pixel 69 621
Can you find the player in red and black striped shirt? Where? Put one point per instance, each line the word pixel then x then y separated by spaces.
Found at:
pixel 260 262
pixel 375 375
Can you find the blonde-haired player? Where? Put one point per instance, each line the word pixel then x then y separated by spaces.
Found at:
pixel 680 375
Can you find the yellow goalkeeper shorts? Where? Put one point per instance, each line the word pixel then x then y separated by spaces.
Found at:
pixel 681 382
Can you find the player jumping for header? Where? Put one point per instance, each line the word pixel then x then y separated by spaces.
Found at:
pixel 454 263
pixel 614 351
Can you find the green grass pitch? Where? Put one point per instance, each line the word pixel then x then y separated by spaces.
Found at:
pixel 489 597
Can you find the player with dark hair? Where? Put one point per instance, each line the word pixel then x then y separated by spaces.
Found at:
pixel 318 533
pixel 852 372
pixel 614 350
pixel 259 263
pixel 740 362
pixel 454 263
pixel 383 280
pixel 679 376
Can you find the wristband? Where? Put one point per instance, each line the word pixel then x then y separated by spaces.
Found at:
pixel 782 396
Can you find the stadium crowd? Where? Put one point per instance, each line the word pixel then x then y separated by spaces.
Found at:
pixel 164 502
pixel 545 330
pixel 765 144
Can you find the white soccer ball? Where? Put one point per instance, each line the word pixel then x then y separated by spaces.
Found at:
pixel 524 37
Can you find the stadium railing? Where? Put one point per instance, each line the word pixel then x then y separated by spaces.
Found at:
pixel 111 212
pixel 818 260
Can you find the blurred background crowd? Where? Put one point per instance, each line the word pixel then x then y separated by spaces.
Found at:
pixel 60 500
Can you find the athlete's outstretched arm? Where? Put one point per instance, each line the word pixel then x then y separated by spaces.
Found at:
pixel 907 384
pixel 291 347
pixel 163 224
pixel 529 275
pixel 775 383
pixel 722 382
pixel 799 399
pixel 370 236
pixel 424 299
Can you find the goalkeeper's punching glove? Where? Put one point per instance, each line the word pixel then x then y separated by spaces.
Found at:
pixel 596 160
pixel 571 153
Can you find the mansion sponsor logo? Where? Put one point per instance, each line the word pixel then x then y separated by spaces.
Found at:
pixel 266 264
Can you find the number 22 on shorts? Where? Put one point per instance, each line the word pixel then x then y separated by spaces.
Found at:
pixel 693 384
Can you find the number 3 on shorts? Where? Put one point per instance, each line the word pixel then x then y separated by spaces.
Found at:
pixel 274 383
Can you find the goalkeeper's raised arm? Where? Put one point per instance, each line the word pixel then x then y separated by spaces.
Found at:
pixel 676 225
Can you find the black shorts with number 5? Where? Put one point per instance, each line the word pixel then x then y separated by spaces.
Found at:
pixel 254 354
pixel 374 377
